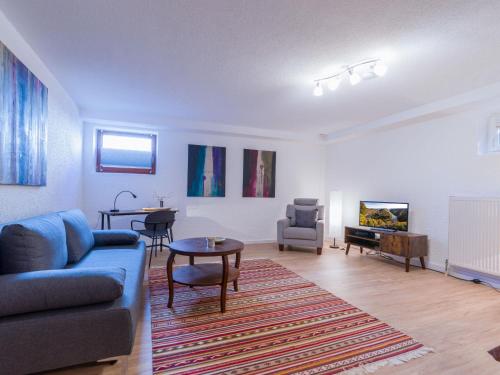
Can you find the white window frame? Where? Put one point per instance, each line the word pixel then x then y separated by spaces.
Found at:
pixel 493 134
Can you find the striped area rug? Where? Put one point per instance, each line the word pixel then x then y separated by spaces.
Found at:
pixel 278 323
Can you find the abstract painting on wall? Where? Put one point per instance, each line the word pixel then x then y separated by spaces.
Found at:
pixel 23 123
pixel 206 171
pixel 259 173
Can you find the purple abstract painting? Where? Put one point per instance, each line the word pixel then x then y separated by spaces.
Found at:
pixel 259 173
pixel 206 171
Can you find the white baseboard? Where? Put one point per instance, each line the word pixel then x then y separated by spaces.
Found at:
pixel 436 267
pixel 256 242
pixel 461 273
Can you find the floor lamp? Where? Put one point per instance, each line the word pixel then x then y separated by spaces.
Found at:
pixel 335 218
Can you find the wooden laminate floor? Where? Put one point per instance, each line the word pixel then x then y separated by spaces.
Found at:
pixel 460 320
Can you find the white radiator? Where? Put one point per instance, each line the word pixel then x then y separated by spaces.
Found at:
pixel 474 234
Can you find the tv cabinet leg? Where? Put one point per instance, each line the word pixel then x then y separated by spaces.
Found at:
pixel 281 247
pixel 407 264
pixel 422 262
pixel 361 250
pixel 347 248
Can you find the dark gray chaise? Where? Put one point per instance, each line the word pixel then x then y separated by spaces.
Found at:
pixel 68 295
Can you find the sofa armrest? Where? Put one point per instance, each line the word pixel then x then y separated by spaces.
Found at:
pixel 55 289
pixel 320 230
pixel 115 237
pixel 282 224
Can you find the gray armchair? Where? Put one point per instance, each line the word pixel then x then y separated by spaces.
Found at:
pixel 289 233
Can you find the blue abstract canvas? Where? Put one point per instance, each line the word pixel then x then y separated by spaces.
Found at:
pixel 206 171
pixel 23 123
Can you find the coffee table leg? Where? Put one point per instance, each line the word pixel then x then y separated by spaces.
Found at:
pixel 191 263
pixel 225 272
pixel 236 265
pixel 170 261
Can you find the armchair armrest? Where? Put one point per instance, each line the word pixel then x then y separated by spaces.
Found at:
pixel 115 237
pixel 55 289
pixel 320 230
pixel 282 224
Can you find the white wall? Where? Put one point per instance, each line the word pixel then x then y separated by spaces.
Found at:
pixel 64 155
pixel 422 164
pixel 299 173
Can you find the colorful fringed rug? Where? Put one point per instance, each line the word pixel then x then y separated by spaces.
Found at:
pixel 278 323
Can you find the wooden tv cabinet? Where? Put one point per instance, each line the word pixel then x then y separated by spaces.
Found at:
pixel 404 244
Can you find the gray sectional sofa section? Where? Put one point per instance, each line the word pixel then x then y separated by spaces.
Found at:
pixel 68 295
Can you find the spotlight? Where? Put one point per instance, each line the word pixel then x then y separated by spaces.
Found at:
pixel 318 90
pixel 354 78
pixel 380 69
pixel 333 84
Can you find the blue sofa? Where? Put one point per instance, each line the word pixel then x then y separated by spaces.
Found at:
pixel 68 295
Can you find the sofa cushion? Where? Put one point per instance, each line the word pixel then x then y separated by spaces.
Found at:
pixel 79 237
pixel 34 244
pixel 299 233
pixel 306 218
pixel 116 237
pixel 55 289
pixel 132 258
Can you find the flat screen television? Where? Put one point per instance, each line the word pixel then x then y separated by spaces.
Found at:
pixel 384 215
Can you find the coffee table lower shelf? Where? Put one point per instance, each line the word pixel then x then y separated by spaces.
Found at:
pixel 203 274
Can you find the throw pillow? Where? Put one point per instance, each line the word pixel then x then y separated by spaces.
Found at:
pixel 306 218
pixel 79 236
pixel 115 237
pixel 34 244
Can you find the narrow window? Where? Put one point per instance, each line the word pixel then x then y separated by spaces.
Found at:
pixel 124 152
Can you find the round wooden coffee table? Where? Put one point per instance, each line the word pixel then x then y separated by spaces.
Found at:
pixel 204 274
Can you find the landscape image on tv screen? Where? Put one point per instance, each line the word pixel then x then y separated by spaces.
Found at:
pixel 384 215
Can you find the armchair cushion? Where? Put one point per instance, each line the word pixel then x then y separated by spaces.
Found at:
pixel 306 218
pixel 290 214
pixel 33 244
pixel 115 237
pixel 299 233
pixel 54 289
pixel 321 212
pixel 79 236
pixel 305 201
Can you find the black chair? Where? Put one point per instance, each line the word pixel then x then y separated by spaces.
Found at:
pixel 157 226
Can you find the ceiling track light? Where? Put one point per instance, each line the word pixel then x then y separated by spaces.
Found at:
pixel 354 78
pixel 375 68
pixel 318 90
pixel 333 83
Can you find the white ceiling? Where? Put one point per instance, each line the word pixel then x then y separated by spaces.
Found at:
pixel 252 62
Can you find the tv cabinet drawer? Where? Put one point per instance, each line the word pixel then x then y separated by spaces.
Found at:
pixel 397 245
